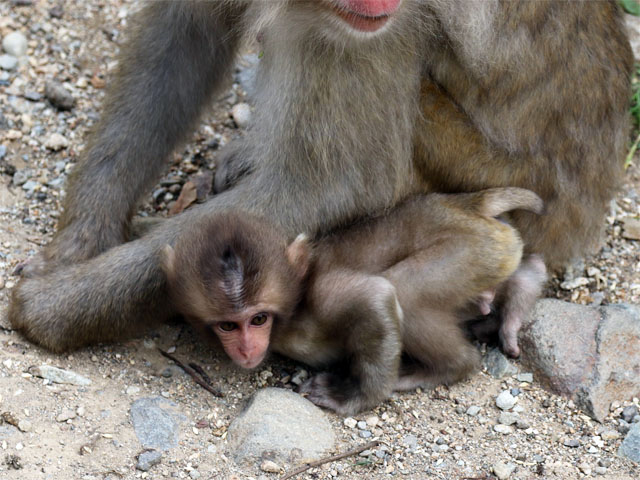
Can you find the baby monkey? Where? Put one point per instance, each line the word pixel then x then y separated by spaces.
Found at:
pixel 381 304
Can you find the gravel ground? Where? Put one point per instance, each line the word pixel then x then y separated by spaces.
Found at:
pixel 65 432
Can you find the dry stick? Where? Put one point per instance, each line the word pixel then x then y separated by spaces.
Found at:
pixel 202 373
pixel 333 458
pixel 190 371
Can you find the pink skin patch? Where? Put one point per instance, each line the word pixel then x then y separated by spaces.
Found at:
pixel 366 15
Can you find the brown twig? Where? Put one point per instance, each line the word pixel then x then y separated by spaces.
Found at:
pixel 201 372
pixel 190 371
pixel 332 458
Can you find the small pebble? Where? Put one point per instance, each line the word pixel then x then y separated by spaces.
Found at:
pixel 270 467
pixel 66 415
pixel 148 459
pixel 362 425
pixel 58 375
pixel 629 413
pixel 56 142
pixel 473 410
pixel 503 429
pixel 372 421
pixel 525 377
pixel 609 435
pixel 503 470
pixel 241 114
pixel 571 442
pixel 24 426
pixel 59 96
pixel 8 62
pixel 505 401
pixel 350 422
pixel 132 390
pixel 15 43
pixel 584 468
pixel 508 418
pixel 20 177
pixel 600 470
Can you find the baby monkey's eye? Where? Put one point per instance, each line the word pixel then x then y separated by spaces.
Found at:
pixel 259 319
pixel 227 326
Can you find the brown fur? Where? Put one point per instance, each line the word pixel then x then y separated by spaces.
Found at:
pixel 449 97
pixel 401 282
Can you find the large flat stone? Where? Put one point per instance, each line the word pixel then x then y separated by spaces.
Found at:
pixel 279 425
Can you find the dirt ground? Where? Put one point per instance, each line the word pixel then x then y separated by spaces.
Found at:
pixel 61 432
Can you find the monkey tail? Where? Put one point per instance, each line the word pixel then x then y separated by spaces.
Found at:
pixel 495 201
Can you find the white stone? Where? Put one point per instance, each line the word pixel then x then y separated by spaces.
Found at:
pixel 241 114
pixel 8 62
pixel 56 142
pixel 270 467
pixel 505 401
pixel 15 44
pixel 503 470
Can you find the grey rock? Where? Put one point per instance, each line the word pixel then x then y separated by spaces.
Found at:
pixel 505 401
pixel 571 443
pixel 8 62
pixel 148 459
pixel 156 422
pixel 15 43
pixel 58 375
pixel 30 185
pixel 473 410
pixel 410 441
pixel 3 151
pixel 497 364
pixel 283 423
pixel 629 413
pixel 21 176
pixel 56 182
pixel 59 96
pixel 630 447
pixel 32 96
pixel 508 418
pixel 525 377
pixel 586 353
pixel 158 193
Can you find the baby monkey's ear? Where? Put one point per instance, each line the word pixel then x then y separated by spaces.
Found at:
pixel 299 255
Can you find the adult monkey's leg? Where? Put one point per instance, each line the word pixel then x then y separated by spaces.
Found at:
pixel 176 57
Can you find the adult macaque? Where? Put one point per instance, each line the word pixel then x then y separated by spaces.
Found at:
pixel 360 104
pixel 402 282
